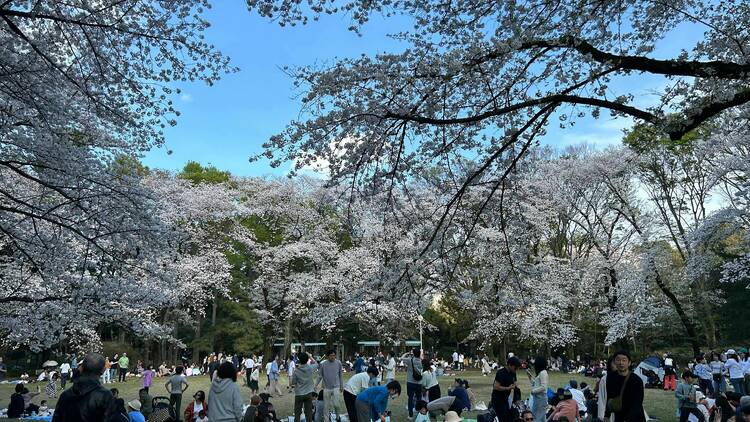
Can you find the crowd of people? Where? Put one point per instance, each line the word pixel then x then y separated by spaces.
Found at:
pixel 320 393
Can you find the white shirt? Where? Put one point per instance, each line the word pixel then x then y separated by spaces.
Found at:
pixel 390 368
pixel 290 367
pixel 65 368
pixel 249 363
pixel 579 398
pixel 358 383
pixel 735 369
pixel 268 368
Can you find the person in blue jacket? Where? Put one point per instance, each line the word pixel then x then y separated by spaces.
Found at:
pixel 373 402
pixel 462 401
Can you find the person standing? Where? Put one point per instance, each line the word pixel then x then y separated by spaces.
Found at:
pixel 148 377
pixel 73 366
pixel 413 378
pixel 703 372
pixel 176 385
pixel 86 400
pixel 390 367
pixel 685 393
pixel 429 381
pixel 290 367
pixel 123 364
pixel 269 365
pixel 455 360
pixel 717 374
pixel 333 385
pixel 4 370
pixel 736 372
pixel 359 364
pixel 303 382
pixel 274 376
pixel 65 374
pixel 539 385
pixel 224 400
pixel 624 391
pixel 372 403
pixel 249 365
pixel 670 375
pixel 503 388
pixel 114 368
pixel 357 384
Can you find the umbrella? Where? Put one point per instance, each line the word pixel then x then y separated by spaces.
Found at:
pixel 49 364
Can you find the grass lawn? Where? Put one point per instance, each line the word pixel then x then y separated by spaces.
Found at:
pixel 659 404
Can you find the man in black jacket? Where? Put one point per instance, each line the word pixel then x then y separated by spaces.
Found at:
pixel 86 400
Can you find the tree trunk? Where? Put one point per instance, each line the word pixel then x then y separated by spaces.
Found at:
pixel 285 349
pixel 684 319
pixel 213 313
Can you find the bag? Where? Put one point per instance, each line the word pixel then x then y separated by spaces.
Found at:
pixel 417 376
pixel 490 416
pixel 615 404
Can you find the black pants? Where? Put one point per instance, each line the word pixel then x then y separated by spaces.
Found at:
pixel 123 371
pixel 305 402
pixel 64 379
pixel 433 393
pixel 175 401
pixel 351 408
pixel 248 376
pixel 412 391
pixel 686 411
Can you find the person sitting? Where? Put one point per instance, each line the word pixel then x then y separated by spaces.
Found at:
pixel 566 408
pixel 195 406
pixel 252 411
pixel 134 411
pixel 470 394
pixel 43 408
pixel 16 406
pixel 422 414
pixel 202 416
pixel 578 396
pixel 462 401
pixel 28 396
pixel 147 404
pixel 266 411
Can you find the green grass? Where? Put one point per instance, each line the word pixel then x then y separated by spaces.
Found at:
pixel 659 404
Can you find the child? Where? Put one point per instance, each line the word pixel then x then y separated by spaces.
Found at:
pixel 252 411
pixel 422 416
pixel 202 416
pixel 43 409
pixel 148 376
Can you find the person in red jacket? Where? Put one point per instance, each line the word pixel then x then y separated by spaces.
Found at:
pixel 194 407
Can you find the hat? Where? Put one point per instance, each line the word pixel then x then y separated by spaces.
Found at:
pixel 731 352
pixel 134 404
pixel 452 417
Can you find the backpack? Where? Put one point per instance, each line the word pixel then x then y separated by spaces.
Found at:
pixel 416 375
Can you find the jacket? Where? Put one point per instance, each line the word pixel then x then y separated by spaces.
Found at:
pixel 147 403
pixel 15 408
pixel 303 379
pixel 189 414
pixel 85 401
pixel 224 401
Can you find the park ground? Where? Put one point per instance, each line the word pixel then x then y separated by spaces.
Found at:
pixel 659 404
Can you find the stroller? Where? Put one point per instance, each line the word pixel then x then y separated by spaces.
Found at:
pixel 163 412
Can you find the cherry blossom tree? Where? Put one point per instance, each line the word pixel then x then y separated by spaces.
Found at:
pixel 82 86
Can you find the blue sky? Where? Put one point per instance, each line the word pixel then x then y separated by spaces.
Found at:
pixel 227 123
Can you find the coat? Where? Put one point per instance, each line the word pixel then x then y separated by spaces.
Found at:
pixel 85 401
pixel 189 415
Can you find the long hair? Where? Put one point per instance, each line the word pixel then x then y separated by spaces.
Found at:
pixel 540 364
